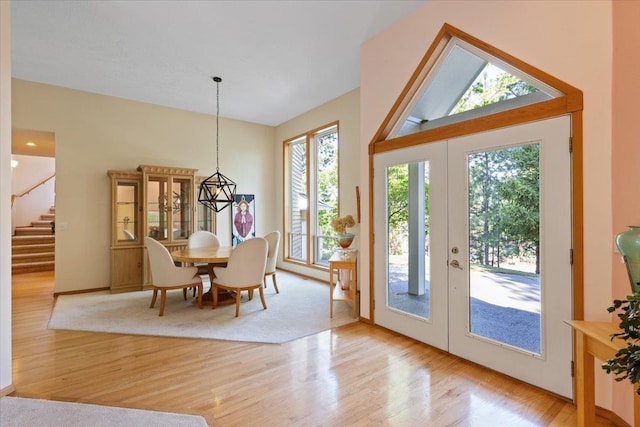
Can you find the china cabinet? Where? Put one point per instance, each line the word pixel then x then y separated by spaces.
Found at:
pixel 155 201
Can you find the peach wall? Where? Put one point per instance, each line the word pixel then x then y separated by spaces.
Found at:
pixel 625 147
pixel 571 40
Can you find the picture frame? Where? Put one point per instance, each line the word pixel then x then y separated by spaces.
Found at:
pixel 243 224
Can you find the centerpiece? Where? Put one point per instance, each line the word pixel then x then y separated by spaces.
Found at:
pixel 340 226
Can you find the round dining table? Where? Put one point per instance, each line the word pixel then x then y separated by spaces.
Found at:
pixel 212 257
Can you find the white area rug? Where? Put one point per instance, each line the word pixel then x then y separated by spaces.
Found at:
pixel 21 412
pixel 300 309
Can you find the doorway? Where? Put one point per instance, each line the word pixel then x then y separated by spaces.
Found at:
pixel 472 248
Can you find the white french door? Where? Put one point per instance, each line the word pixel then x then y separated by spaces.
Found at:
pixel 472 248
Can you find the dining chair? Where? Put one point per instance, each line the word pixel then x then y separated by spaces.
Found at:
pixel 273 239
pixel 165 275
pixel 203 239
pixel 244 271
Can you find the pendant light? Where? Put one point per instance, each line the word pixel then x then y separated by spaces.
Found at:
pixel 217 192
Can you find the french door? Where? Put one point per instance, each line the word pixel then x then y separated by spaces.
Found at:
pixel 472 248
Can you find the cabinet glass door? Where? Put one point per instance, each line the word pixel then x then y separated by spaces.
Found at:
pixel 205 217
pixel 126 211
pixel 157 208
pixel 181 205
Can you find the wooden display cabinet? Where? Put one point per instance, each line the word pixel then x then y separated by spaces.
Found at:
pixel 155 201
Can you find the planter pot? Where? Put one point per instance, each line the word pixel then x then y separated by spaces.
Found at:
pixel 628 243
pixel 345 240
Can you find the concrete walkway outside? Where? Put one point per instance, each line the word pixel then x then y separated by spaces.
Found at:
pixel 504 307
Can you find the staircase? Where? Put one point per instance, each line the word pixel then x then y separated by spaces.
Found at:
pixel 33 247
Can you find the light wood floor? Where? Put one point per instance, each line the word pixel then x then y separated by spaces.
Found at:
pixel 357 375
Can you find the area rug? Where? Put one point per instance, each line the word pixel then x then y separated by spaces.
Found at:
pixel 21 412
pixel 300 309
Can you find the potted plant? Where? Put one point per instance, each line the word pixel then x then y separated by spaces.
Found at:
pixel 626 363
pixel 340 226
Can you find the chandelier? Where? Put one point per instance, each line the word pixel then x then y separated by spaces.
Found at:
pixel 217 192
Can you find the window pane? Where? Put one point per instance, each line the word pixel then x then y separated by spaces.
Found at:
pixel 326 188
pixel 298 200
pixel 466 83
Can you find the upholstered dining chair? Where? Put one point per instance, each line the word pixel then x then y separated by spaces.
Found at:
pixel 203 239
pixel 165 275
pixel 244 271
pixel 273 239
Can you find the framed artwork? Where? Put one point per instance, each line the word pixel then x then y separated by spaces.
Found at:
pixel 243 224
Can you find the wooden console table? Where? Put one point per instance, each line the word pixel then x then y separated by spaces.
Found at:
pixel 344 264
pixel 593 339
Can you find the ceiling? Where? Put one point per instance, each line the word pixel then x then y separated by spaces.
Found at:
pixel 277 59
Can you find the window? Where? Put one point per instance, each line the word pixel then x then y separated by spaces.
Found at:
pixel 465 83
pixel 311 195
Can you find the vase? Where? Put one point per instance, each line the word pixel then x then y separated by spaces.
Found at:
pixel 628 243
pixel 345 240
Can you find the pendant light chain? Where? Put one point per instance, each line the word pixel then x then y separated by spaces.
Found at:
pixel 217 80
pixel 217 191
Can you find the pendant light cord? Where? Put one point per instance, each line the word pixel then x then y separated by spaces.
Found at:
pixel 217 80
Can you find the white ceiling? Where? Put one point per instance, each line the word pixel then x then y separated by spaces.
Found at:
pixel 277 59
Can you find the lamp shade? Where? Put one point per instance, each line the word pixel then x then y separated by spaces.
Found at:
pixel 628 243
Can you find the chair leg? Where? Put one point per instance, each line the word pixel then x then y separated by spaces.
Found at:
pixel 264 304
pixel 238 294
pixel 153 298
pixel 275 285
pixel 250 294
pixel 200 292
pixel 184 293
pixel 163 300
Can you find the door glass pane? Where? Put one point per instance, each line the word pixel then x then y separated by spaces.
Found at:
pixel 157 208
pixel 181 207
pixel 504 246
pixel 408 285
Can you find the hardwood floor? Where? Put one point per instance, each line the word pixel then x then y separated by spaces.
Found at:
pixel 357 375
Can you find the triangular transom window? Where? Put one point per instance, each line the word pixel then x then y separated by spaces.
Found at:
pixel 464 85
pixel 466 82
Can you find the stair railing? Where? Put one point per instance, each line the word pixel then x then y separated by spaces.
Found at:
pixel 44 181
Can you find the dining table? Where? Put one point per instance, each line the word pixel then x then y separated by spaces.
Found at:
pixel 212 256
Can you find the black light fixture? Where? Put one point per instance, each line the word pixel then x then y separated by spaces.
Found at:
pixel 217 192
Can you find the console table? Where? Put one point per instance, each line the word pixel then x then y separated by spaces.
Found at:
pixel 344 263
pixel 593 339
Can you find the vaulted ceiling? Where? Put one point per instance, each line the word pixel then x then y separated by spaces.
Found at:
pixel 277 59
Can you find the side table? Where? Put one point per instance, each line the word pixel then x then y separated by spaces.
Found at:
pixel 343 263
pixel 593 339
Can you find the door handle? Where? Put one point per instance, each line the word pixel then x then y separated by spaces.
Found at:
pixel 455 264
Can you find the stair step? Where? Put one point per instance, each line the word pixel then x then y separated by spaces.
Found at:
pixel 33 240
pixel 30 231
pixel 35 248
pixel 48 217
pixel 33 257
pixel 41 223
pixel 33 267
